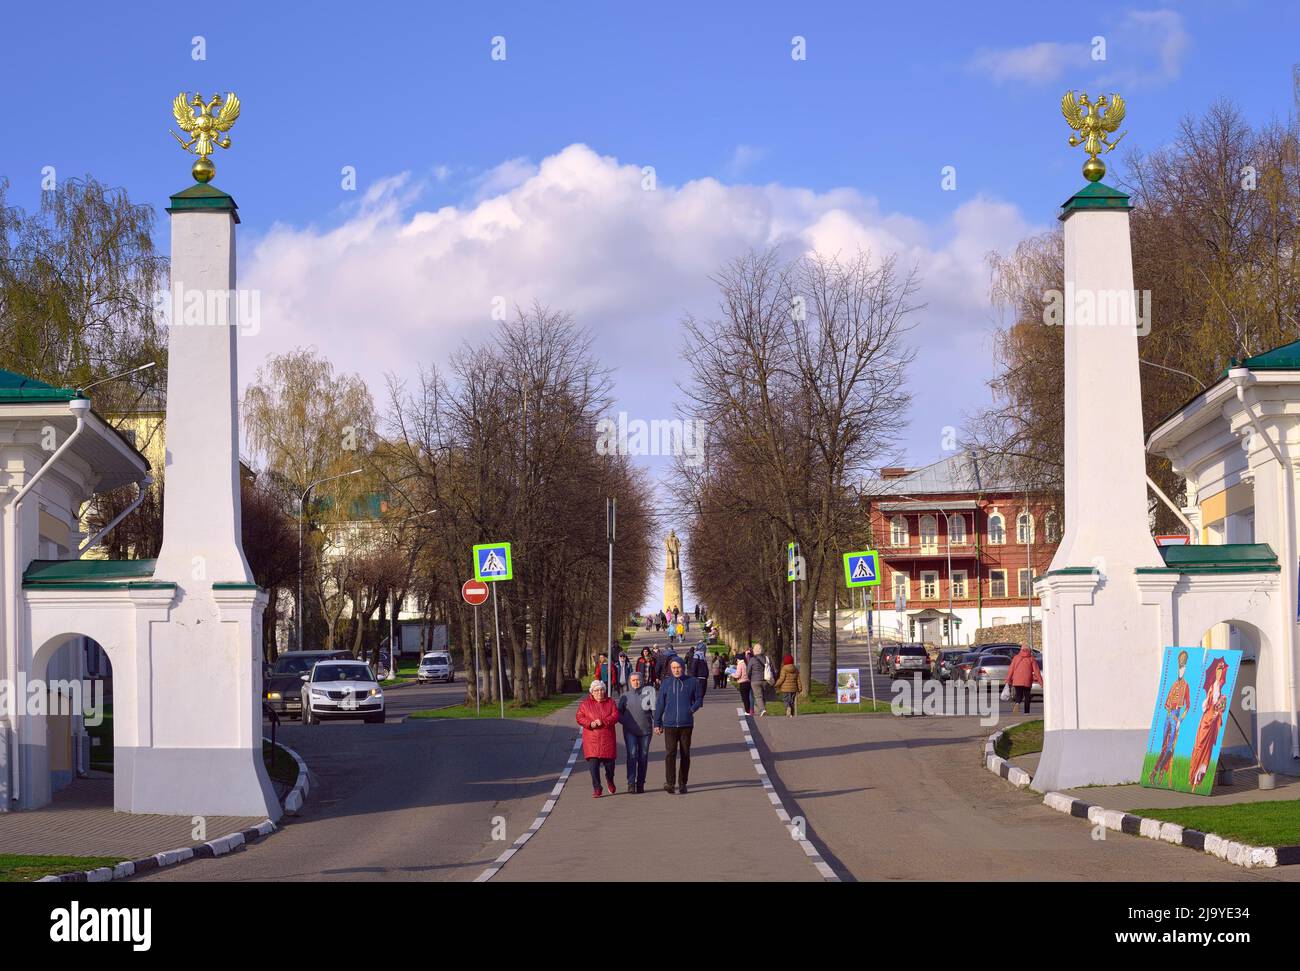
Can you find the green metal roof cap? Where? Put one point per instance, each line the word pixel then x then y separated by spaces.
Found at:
pixel 19 387
pixel 54 572
pixel 1095 195
pixel 1284 358
pixel 204 198
pixel 1226 555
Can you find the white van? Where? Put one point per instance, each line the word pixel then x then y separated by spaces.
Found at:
pixel 435 666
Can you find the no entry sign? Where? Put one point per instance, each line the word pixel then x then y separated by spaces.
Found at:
pixel 474 592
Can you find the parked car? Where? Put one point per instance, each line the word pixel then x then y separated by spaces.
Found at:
pixel 961 667
pixel 341 689
pixel 907 659
pixel 942 665
pixel 1006 649
pixel 282 689
pixel 435 666
pixel 989 667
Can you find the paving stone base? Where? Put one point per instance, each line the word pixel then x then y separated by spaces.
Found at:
pixel 1238 854
pixel 212 848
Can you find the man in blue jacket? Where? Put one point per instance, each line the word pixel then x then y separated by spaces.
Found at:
pixel 675 707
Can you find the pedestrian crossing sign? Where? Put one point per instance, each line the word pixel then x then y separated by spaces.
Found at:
pixel 862 569
pixel 492 562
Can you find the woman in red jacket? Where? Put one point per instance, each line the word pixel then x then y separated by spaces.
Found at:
pixel 598 715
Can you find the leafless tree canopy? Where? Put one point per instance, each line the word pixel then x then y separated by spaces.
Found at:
pixel 800 383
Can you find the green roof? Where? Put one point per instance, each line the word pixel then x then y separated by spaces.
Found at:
pixel 1227 558
pixel 1284 358
pixel 204 198
pixel 19 387
pixel 58 573
pixel 1095 195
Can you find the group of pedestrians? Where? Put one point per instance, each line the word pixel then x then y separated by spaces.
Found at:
pixel 658 694
pixel 758 682
pixel 667 708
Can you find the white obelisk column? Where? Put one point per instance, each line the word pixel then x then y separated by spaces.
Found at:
pixel 1102 643
pixel 198 741
pixel 201 516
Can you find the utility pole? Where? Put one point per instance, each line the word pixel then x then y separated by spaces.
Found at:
pixel 611 505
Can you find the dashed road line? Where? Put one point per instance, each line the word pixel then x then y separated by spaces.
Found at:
pixel 547 808
pixel 774 798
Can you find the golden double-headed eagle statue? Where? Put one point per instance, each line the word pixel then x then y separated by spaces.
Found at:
pixel 196 119
pixel 1094 128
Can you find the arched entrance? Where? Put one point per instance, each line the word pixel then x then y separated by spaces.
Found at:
pixel 1241 737
pixel 68 718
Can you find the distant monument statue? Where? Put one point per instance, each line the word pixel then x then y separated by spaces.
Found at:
pixel 672 572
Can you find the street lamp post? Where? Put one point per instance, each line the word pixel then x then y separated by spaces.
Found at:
pixel 302 505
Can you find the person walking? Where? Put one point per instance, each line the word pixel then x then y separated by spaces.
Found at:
pixel 636 709
pixel 1022 675
pixel 598 715
pixel 788 684
pixel 675 707
pixel 698 668
pixel 743 685
pixel 622 671
pixel 645 666
pixel 719 671
pixel 758 679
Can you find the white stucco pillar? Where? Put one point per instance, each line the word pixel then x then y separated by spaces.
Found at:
pixel 201 517
pixel 1102 643
pixel 201 750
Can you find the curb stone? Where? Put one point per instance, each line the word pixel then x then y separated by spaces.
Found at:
pixel 212 848
pixel 1220 847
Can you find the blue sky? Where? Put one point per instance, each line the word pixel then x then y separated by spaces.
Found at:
pixel 517 178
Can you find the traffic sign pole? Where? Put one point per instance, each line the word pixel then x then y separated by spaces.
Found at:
pixel 496 623
pixel 478 668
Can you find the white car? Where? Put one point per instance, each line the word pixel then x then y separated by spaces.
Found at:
pixel 435 666
pixel 341 689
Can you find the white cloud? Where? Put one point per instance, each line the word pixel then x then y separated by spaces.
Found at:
pixel 743 158
pixel 390 287
pixel 1044 61
pixel 1142 48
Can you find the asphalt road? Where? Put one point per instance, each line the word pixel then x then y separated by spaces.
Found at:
pixel 419 799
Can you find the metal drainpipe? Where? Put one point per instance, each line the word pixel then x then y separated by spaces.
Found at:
pixel 142 487
pixel 78 407
pixel 1241 377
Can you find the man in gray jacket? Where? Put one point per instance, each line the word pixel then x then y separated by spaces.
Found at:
pixel 756 667
pixel 636 708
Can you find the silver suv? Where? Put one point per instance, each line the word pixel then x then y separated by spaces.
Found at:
pixel 907 659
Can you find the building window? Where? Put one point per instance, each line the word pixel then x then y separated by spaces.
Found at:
pixel 1026 585
pixel 929 531
pixel 997 529
pixel 1024 528
pixel 929 586
pixel 898 531
pixel 998 584
pixel 1052 527
pixel 900 587
pixel 957 529
pixel 959 584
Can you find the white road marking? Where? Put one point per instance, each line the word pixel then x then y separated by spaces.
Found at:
pixel 810 851
pixel 547 807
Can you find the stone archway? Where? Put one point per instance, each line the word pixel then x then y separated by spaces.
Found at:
pixel 59 704
pixel 1241 736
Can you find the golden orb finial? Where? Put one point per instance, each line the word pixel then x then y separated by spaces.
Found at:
pixel 196 118
pixel 1094 127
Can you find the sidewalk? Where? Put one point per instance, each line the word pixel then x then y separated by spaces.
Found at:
pixel 80 821
pixel 723 829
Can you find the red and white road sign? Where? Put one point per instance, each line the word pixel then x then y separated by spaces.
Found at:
pixel 474 591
